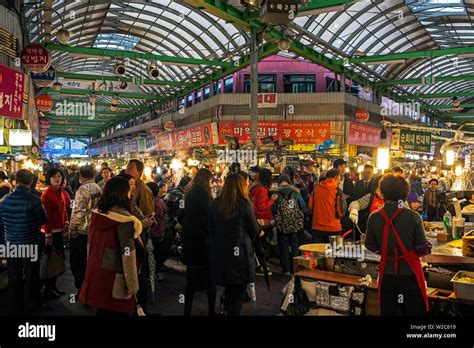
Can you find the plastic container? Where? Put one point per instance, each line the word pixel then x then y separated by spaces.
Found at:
pixel 463 291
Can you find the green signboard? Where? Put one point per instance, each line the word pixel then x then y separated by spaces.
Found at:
pixel 415 141
pixel 292 162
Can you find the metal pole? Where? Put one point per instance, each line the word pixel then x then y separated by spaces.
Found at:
pixel 254 87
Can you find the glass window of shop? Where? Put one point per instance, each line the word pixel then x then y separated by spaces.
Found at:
pixel 206 92
pixel 216 87
pixel 197 96
pixel 181 102
pixel 229 85
pixel 299 83
pixel 266 83
pixel 331 85
pixel 189 100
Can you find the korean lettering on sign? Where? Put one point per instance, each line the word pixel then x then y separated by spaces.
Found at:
pixel 415 141
pixel 12 89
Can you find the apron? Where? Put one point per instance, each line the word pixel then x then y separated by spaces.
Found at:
pixel 409 256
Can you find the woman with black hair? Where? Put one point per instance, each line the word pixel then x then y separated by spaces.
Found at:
pixel 262 205
pixel 232 232
pixel 397 234
pixel 115 249
pixel 196 235
pixel 54 201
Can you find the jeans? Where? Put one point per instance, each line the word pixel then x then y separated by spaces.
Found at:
pixel 198 278
pixel 287 241
pixel 78 259
pixel 23 285
pixel 323 236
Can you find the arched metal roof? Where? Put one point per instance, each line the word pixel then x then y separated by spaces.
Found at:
pixel 188 29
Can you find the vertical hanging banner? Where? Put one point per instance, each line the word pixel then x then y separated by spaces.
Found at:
pixel 12 89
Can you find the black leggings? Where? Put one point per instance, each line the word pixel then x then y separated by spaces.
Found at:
pixel 198 278
pixel 234 298
pixel 401 295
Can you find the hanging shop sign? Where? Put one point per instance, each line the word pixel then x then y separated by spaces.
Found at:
pixel 20 137
pixel 415 141
pixel 267 100
pixel 363 135
pixel 361 115
pixel 126 147
pixel 241 130
pixel 150 144
pixel 141 145
pixel 305 132
pixel 134 145
pixel 35 58
pixel 292 162
pixel 44 103
pixel 44 79
pixel 12 89
pixel 279 11
pixel 44 123
pixel 155 130
pixel 196 136
pixel 164 142
pixel 169 125
pixel 32 113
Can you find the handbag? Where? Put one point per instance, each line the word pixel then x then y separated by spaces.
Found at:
pixel 52 264
pixel 296 301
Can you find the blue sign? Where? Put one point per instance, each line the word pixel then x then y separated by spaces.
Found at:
pixel 44 79
pixel 64 151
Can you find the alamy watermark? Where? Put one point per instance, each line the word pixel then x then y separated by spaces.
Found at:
pixel 237 156
pixel 348 251
pixel 21 251
pixel 66 108
pixel 412 110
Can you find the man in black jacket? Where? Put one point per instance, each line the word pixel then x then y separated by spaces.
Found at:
pixel 347 187
pixel 364 187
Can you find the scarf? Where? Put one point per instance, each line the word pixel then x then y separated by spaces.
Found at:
pixel 137 225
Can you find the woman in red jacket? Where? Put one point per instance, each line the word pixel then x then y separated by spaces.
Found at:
pixel 111 281
pixel 262 204
pixel 54 200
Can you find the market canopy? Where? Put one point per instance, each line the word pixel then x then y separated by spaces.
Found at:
pixel 408 50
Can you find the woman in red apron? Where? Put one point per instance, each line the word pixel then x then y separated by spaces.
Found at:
pixel 397 234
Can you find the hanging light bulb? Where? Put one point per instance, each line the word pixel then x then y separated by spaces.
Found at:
pixel 360 169
pixel 376 170
pixel 383 151
pixel 92 98
pixel 63 36
pixel 434 169
pixel 57 86
pixel 458 170
pixel 450 157
pixel 284 44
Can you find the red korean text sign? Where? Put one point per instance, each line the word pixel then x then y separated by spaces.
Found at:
pixel 194 137
pixel 35 58
pixel 306 132
pixel 363 135
pixel 12 89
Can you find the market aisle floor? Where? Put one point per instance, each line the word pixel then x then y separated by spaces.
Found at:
pixel 167 296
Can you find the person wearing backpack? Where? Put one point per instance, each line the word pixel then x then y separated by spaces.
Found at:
pixel 288 211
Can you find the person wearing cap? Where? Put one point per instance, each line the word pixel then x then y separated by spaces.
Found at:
pixel 287 240
pixel 414 201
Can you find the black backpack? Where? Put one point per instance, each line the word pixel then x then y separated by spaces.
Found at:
pixel 289 218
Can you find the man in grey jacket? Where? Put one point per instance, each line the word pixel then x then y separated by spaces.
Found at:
pixel 87 196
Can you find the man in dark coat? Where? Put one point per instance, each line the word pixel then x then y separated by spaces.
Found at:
pixel 364 187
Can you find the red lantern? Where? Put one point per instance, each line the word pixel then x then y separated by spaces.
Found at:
pixel 361 115
pixel 35 58
pixel 169 125
pixel 44 103
pixel 155 130
pixel 44 123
